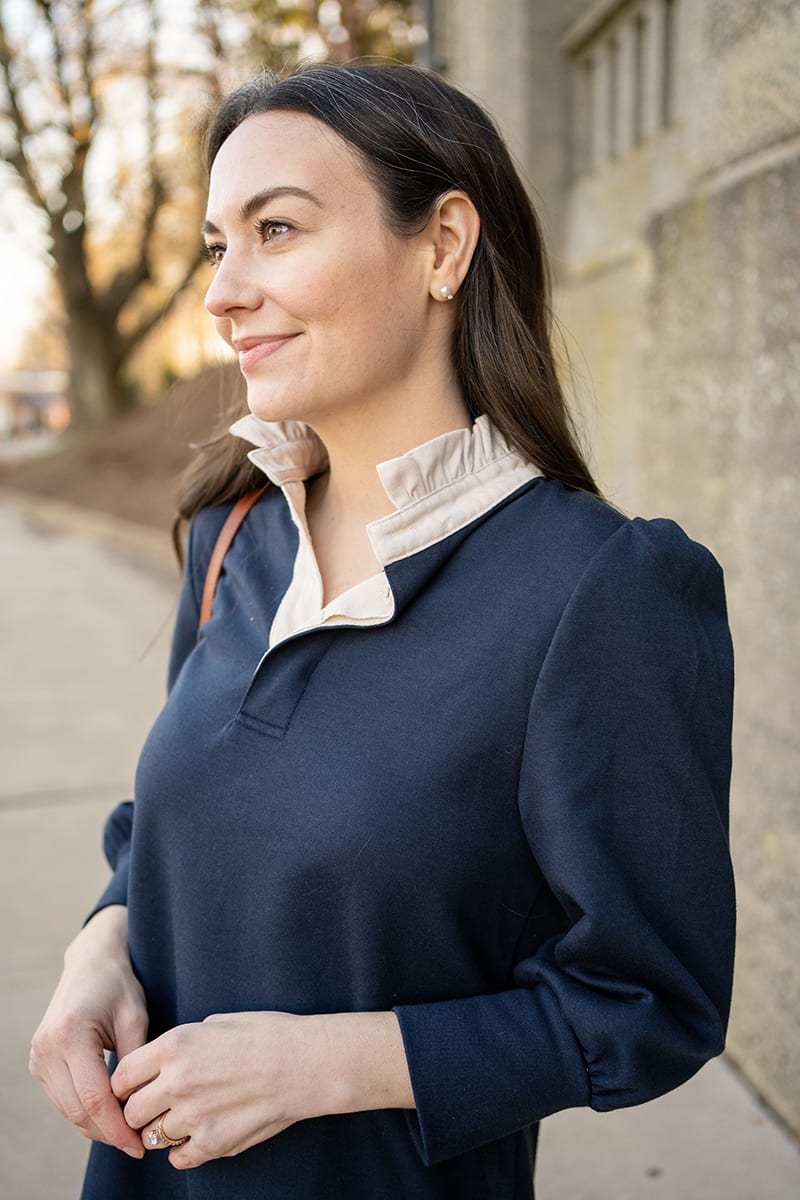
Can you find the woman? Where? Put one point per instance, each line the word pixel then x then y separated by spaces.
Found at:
pixel 429 838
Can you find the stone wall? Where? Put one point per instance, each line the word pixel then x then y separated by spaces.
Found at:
pixel 678 265
pixel 720 448
pixel 506 54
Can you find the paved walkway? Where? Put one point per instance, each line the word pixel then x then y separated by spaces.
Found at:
pixel 85 609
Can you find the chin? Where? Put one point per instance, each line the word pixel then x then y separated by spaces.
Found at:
pixel 293 404
pixel 268 406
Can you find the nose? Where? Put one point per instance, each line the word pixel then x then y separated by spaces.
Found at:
pixel 232 287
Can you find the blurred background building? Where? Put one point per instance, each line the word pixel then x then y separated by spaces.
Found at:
pixel 661 139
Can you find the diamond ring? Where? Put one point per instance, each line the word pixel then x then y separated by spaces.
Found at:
pixel 159 1136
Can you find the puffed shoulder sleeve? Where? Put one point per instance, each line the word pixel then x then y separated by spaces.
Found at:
pixel 118 827
pixel 623 796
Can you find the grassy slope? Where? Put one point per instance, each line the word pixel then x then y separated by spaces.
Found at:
pixel 130 468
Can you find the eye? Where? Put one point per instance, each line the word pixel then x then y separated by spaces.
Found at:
pixel 213 253
pixel 269 230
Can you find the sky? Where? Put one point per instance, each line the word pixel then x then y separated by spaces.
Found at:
pixel 25 272
pixel 22 246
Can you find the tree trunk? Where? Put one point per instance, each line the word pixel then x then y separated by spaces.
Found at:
pixel 96 389
pixel 95 350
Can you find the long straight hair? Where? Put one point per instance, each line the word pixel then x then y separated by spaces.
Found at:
pixel 417 138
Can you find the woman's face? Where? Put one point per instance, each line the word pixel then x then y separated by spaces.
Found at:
pixel 328 309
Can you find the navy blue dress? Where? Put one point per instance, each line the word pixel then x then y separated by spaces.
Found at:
pixel 502 814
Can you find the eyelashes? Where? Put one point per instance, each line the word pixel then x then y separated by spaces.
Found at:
pixel 267 229
pixel 212 254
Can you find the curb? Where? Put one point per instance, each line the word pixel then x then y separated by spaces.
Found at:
pixel 117 533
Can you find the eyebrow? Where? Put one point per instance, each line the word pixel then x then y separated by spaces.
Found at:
pixel 257 201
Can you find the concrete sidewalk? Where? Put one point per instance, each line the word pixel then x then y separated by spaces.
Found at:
pixel 85 611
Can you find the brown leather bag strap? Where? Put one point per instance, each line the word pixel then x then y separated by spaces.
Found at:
pixel 221 547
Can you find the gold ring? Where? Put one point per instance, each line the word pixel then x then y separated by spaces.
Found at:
pixel 160 1137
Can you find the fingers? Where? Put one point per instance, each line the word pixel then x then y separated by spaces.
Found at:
pixel 201 1146
pixel 171 1053
pixel 210 1082
pixel 60 1089
pixel 93 1089
pixel 156 1136
pixel 74 1076
pixel 210 1141
pixel 183 1158
pixel 148 1077
pixel 146 1105
pixel 194 1153
pixel 98 1005
pixel 140 1066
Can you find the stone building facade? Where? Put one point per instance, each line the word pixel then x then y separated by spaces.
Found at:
pixel 661 142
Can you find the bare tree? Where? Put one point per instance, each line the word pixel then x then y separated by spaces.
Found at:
pixel 97 103
pixel 284 32
pixel 91 116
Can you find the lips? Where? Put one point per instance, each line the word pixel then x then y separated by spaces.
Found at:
pixel 253 351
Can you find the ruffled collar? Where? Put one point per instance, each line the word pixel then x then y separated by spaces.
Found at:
pixel 436 488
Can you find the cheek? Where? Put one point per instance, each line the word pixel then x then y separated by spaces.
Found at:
pixel 362 303
pixel 387 299
pixel 348 308
pixel 223 328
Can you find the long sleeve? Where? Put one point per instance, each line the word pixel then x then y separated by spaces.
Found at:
pixel 199 544
pixel 623 796
pixel 118 826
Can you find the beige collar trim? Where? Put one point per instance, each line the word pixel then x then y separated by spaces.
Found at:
pixel 437 488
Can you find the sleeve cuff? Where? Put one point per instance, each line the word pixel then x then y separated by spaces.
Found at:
pixel 473 1063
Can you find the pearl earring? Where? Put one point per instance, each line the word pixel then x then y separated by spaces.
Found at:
pixel 445 293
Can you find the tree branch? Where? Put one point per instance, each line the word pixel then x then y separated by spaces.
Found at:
pixel 156 183
pixel 18 159
pixel 209 24
pixel 148 324
pixel 46 9
pixel 86 56
pixel 126 281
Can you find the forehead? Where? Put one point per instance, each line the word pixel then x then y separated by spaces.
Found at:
pixel 285 150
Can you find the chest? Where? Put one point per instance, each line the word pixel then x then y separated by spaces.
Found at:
pixel 392 750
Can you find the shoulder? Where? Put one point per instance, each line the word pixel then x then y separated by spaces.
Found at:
pixel 569 525
pixel 640 598
pixel 580 533
pixel 638 634
pixel 207 525
pixel 585 575
pixel 204 529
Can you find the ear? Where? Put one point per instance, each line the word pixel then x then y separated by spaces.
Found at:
pixel 454 229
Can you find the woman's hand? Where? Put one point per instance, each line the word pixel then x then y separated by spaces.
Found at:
pixel 239 1079
pixel 98 1005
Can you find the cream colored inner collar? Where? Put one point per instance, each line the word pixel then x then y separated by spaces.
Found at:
pixel 436 488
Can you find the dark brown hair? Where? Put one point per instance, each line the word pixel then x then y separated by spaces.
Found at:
pixel 417 138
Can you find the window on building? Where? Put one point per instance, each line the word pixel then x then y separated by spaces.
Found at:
pixel 639 67
pixel 668 80
pixel 625 62
pixel 613 97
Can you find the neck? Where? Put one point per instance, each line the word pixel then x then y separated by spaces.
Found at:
pixel 356 441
